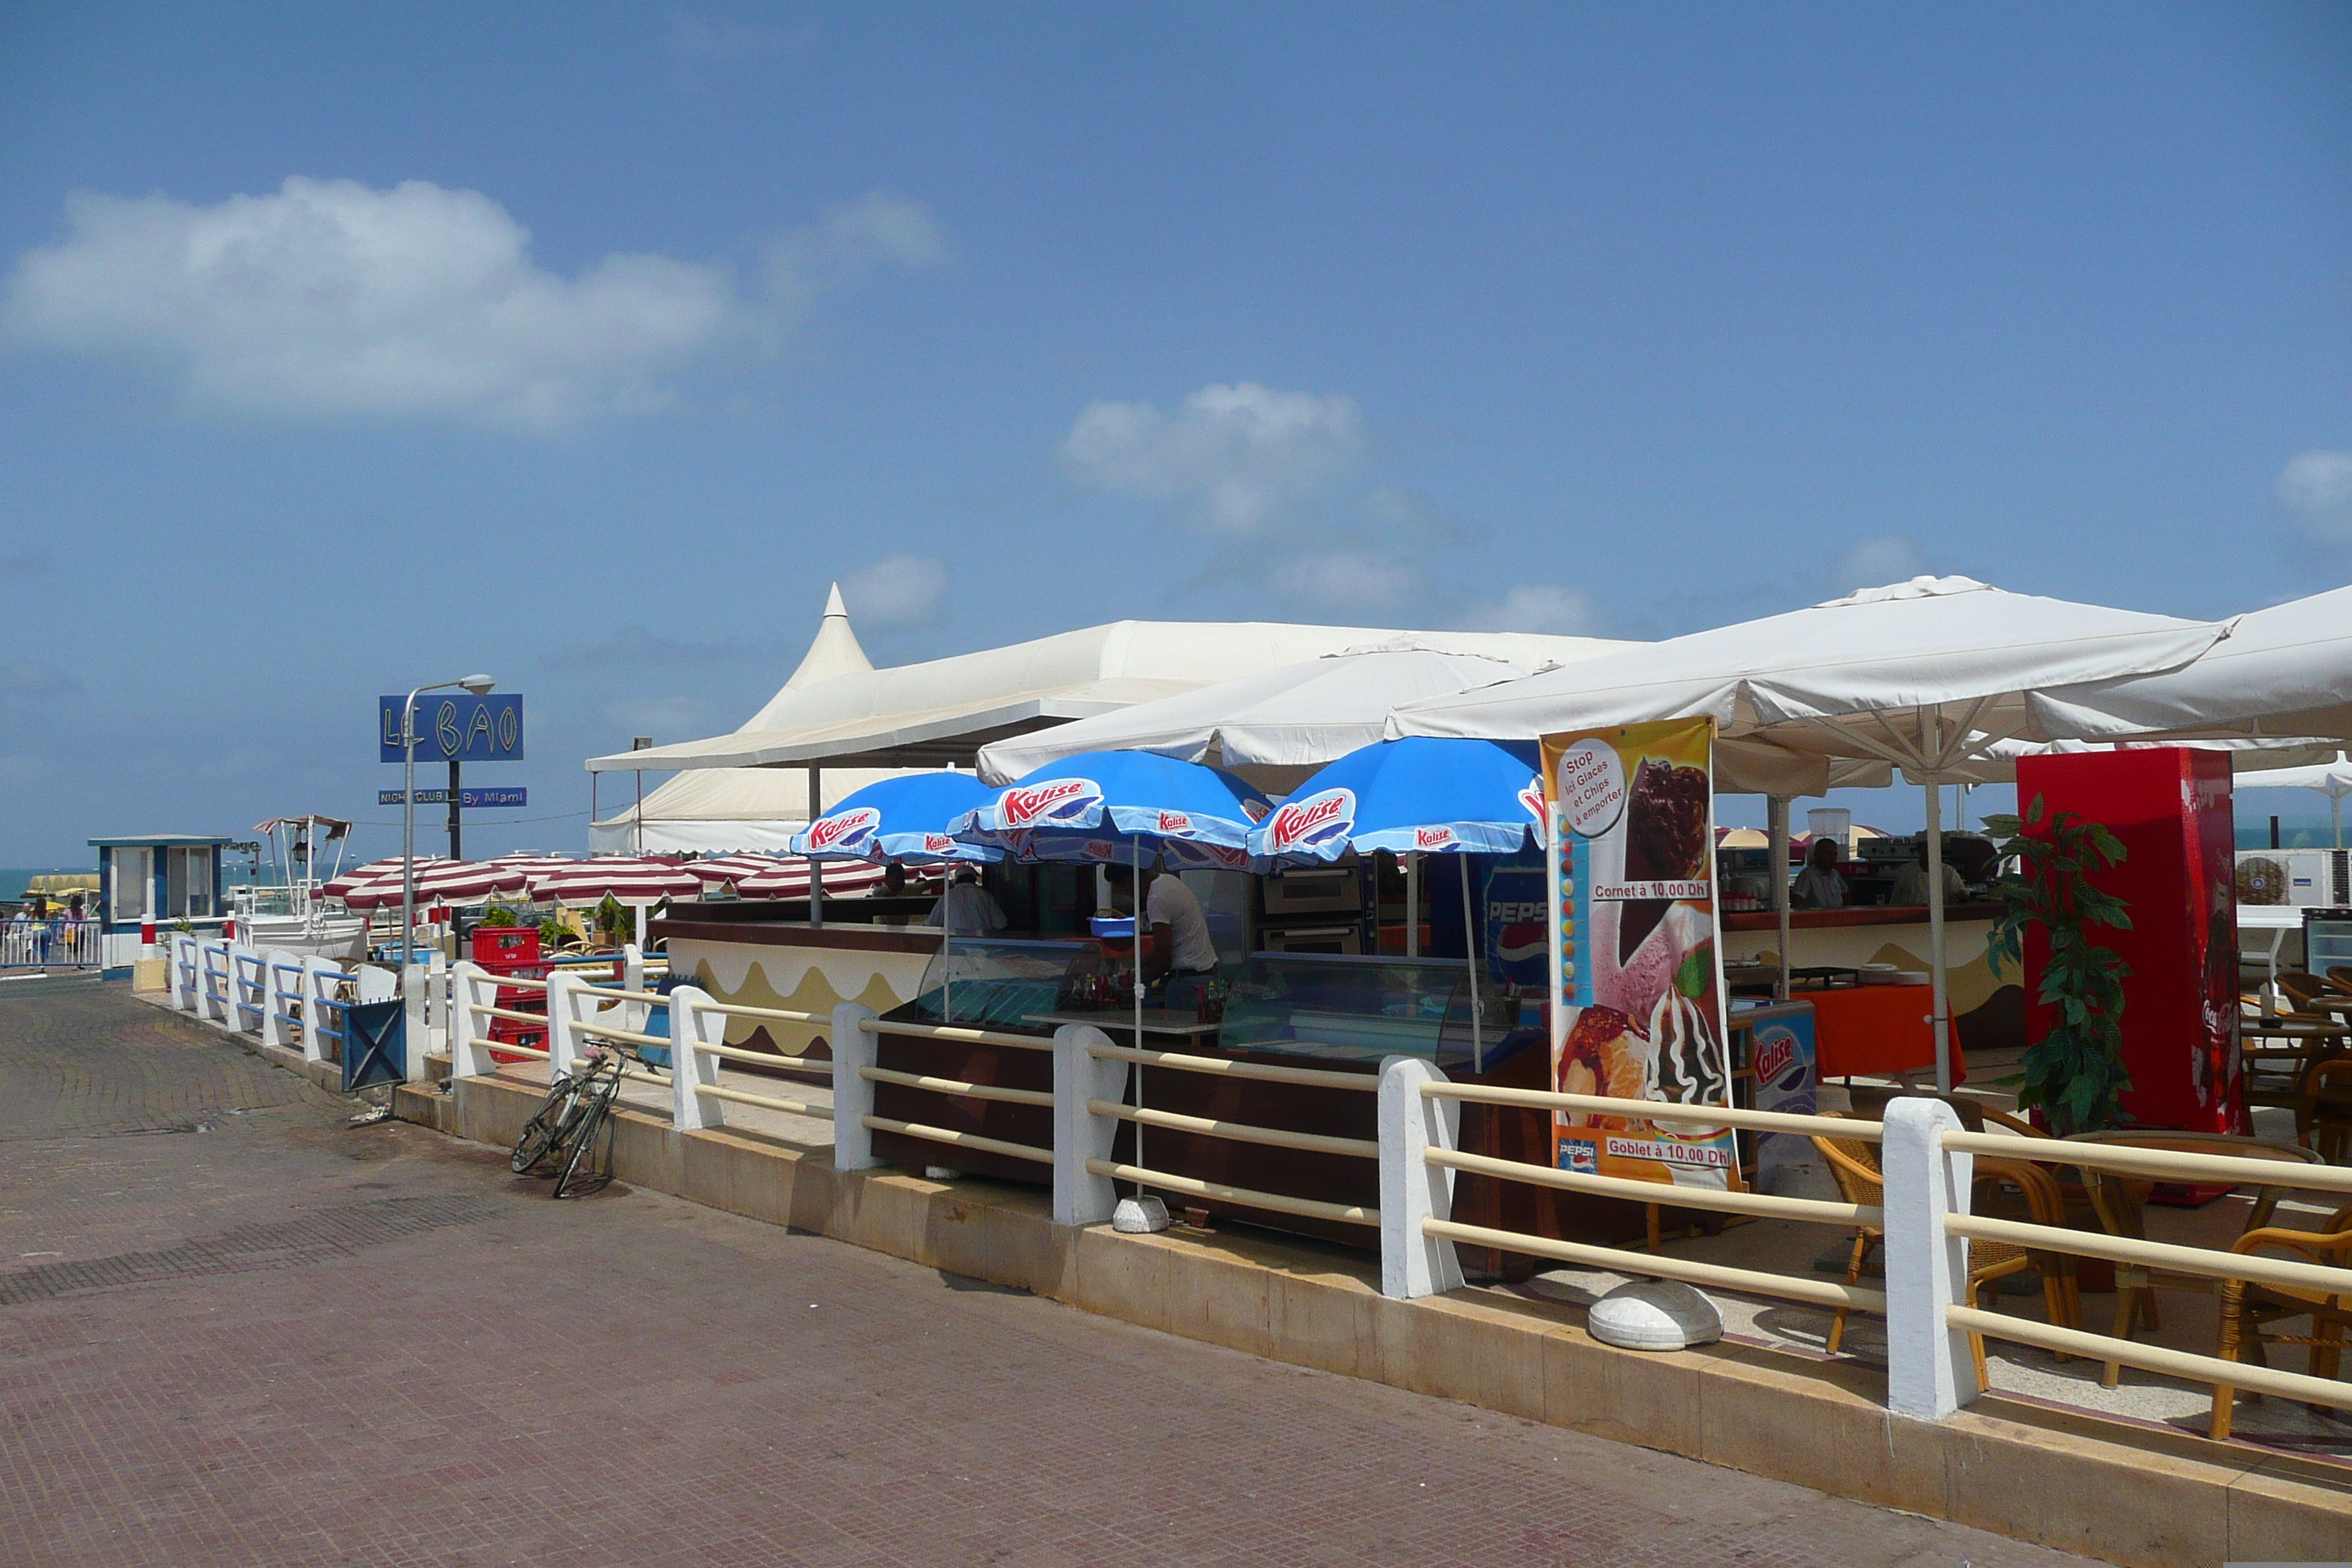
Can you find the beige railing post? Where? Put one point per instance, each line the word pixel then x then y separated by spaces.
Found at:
pixel 1929 1372
pixel 1413 1261
pixel 1082 1196
pixel 853 1091
pixel 694 1026
pixel 563 990
pixel 471 986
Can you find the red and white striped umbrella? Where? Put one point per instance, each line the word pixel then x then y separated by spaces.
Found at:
pixel 622 877
pixel 734 869
pixel 442 881
pixel 361 875
pixel 790 880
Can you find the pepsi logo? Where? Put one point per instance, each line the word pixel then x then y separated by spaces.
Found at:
pixel 843 829
pixel 1431 837
pixel 1518 942
pixel 1059 800
pixel 1311 823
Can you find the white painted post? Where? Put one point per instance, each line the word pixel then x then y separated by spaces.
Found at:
pixel 1081 1198
pixel 1412 1189
pixel 182 949
pixel 562 1000
pixel 853 1091
pixel 694 1028
pixel 240 959
pixel 316 1014
pixel 632 969
pixel 1929 1369
pixel 470 986
pixel 273 1033
pixel 209 1003
pixel 437 1005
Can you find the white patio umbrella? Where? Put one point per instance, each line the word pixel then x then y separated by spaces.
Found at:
pixel 1922 675
pixel 2284 671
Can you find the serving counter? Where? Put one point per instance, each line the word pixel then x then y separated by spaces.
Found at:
pixel 1876 1035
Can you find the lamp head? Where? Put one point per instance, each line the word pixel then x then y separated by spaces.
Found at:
pixel 477 684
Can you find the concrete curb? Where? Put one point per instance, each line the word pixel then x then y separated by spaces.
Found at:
pixel 2124 1492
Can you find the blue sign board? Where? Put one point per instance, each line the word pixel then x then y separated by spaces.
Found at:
pixel 470 799
pixel 455 729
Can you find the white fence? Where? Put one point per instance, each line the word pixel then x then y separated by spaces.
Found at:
pixel 1927 1161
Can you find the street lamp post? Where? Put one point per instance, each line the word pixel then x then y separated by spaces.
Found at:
pixel 480 685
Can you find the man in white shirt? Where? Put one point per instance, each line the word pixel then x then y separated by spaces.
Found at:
pixel 1910 888
pixel 1819 886
pixel 1172 917
pixel 967 909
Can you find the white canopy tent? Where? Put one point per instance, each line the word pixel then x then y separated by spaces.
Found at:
pixel 1276 725
pixel 1923 676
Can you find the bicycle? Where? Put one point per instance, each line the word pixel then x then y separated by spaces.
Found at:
pixel 572 1123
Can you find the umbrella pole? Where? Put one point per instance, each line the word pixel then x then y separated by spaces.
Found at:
pixel 1776 815
pixel 946 947
pixel 815 865
pixel 1940 1012
pixel 1137 842
pixel 2335 816
pixel 1470 950
pixel 1413 904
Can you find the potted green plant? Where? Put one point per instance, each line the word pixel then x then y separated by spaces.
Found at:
pixel 2075 1073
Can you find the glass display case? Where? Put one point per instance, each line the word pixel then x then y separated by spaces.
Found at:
pixel 994 983
pixel 1339 1008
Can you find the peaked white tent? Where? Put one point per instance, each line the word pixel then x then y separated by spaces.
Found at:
pixel 725 810
pixel 2333 780
pixel 1924 675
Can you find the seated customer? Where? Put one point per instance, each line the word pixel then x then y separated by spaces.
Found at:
pixel 1911 883
pixel 1819 886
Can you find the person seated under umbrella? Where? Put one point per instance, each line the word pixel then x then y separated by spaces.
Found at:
pixel 1181 946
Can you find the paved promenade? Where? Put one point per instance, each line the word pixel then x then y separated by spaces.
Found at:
pixel 233 1331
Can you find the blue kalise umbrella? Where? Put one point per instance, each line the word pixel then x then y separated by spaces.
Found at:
pixel 905 819
pixel 1418 796
pixel 1101 807
pixel 1421 796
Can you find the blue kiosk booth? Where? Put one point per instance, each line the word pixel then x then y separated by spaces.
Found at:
pixel 171 877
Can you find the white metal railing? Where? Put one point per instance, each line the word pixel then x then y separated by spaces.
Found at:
pixel 2179 1165
pixel 1927 1168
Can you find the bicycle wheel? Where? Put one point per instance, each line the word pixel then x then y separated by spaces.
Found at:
pixel 584 1169
pixel 543 1132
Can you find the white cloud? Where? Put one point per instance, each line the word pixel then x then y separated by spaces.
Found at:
pixel 1875 562
pixel 1246 456
pixel 1535 608
pixel 1350 582
pixel 896 591
pixel 330 298
pixel 2315 489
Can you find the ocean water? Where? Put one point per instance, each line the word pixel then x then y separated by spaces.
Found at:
pixel 13 879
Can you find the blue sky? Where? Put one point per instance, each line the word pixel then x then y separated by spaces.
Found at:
pixel 588 344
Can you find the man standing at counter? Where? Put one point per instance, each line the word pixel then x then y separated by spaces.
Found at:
pixel 1910 889
pixel 1819 886
pixel 1181 946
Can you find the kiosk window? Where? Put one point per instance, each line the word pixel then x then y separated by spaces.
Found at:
pixel 133 889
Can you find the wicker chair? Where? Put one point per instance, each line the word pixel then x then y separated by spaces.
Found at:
pixel 2323 1110
pixel 2248 1310
pixel 2122 1200
pixel 1853 1163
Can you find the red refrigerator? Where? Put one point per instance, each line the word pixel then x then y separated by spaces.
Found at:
pixel 2171 807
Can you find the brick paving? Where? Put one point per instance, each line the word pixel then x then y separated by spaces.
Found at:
pixel 277 1340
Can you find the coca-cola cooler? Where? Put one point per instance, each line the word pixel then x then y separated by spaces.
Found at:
pixel 2171 807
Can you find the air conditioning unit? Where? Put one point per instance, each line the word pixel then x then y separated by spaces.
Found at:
pixel 2295 877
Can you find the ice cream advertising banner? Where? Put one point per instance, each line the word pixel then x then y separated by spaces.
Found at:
pixel 1638 982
